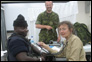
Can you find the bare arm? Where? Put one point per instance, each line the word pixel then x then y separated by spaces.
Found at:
pixel 40 26
pixel 35 49
pixel 23 57
pixel 43 26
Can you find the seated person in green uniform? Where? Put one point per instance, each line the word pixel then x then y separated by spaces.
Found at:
pixel 73 50
pixel 18 46
pixel 48 21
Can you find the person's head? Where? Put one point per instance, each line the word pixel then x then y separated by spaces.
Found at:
pixel 20 25
pixel 48 5
pixel 65 28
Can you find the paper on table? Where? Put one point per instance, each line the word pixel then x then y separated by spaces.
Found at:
pixel 55 48
pixel 87 48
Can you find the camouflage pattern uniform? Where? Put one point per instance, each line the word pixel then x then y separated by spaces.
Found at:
pixel 82 32
pixel 52 20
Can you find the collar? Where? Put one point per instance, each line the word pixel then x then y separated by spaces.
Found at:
pixel 69 37
pixel 47 13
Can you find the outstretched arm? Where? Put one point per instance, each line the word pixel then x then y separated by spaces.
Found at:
pixel 23 57
pixel 35 49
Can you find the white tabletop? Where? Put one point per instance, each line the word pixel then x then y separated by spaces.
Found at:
pixel 87 48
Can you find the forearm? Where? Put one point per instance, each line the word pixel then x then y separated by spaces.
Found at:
pixel 54 51
pixel 40 26
pixel 35 49
pixel 23 57
pixel 32 59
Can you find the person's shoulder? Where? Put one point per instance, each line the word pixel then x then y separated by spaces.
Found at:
pixel 74 37
pixel 77 39
pixel 16 38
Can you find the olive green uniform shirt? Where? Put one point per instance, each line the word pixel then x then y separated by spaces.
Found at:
pixel 73 51
pixel 50 19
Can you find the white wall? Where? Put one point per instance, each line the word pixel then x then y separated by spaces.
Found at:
pixel 90 18
pixel 82 16
pixel 11 14
pixel 30 11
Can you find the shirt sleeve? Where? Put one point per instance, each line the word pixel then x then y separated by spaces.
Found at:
pixel 75 50
pixel 57 20
pixel 55 51
pixel 39 18
pixel 17 46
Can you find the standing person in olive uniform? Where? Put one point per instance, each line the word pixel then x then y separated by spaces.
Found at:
pixel 47 21
pixel 73 50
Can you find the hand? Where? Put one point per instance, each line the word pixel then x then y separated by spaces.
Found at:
pixel 43 45
pixel 48 27
pixel 58 40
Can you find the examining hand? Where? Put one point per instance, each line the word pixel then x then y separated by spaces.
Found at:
pixel 42 44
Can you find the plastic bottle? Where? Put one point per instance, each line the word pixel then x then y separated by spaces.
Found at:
pixel 32 40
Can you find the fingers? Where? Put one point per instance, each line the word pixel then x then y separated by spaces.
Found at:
pixel 49 27
pixel 40 43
